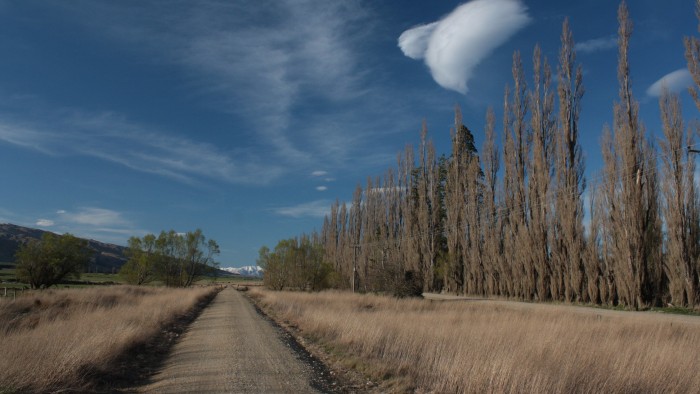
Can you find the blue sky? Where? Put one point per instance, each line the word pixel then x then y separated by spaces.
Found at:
pixel 247 119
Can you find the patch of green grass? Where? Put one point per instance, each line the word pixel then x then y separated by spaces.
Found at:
pixel 677 310
pixel 8 278
pixel 101 278
pixel 7 274
pixel 230 279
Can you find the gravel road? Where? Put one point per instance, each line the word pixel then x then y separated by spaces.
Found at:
pixel 231 348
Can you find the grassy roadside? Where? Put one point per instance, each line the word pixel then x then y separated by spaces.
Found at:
pixel 71 339
pixel 423 346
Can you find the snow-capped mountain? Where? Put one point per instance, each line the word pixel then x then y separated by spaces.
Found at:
pixel 248 271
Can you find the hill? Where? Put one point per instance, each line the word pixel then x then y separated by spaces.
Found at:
pixel 106 258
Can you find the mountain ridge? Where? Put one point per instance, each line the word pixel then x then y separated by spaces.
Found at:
pixel 249 271
pixel 107 258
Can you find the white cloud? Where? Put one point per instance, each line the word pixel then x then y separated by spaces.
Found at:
pixel 44 223
pixel 321 188
pixel 414 42
pixel 319 173
pixel 453 46
pixel 105 225
pixel 384 190
pixel 112 138
pixel 95 217
pixel 255 60
pixel 674 82
pixel 315 209
pixel 27 137
pixel 596 44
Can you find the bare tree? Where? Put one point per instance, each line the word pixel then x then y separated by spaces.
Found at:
pixel 473 250
pixel 453 268
pixel 429 207
pixel 543 124
pixel 355 235
pixel 520 274
pixel 409 246
pixel 464 269
pixel 631 193
pixel 490 220
pixel 568 251
pixel 680 209
pixel 692 56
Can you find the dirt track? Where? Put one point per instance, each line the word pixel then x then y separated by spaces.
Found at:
pixel 230 348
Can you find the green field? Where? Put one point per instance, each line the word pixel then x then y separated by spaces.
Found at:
pixel 9 280
pixel 7 277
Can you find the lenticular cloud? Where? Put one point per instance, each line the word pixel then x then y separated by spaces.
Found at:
pixel 674 82
pixel 453 46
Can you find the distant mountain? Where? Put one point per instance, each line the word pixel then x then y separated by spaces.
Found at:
pixel 106 258
pixel 248 271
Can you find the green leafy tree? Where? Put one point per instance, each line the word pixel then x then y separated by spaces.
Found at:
pixel 175 259
pixel 198 256
pixel 44 263
pixel 296 263
pixel 273 271
pixel 140 268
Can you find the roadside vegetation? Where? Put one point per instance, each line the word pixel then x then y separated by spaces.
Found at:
pixel 46 262
pixel 508 221
pixel 296 263
pixel 65 340
pixel 171 258
pixel 413 345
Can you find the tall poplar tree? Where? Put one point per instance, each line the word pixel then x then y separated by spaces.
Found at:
pixel 632 192
pixel 569 246
pixel 681 204
pixel 520 274
pixel 543 123
pixel 490 219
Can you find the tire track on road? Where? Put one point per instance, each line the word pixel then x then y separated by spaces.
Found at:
pixel 230 348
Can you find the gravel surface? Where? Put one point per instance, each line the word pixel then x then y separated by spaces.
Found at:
pixel 231 348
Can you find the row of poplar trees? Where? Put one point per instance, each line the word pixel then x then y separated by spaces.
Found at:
pixel 464 224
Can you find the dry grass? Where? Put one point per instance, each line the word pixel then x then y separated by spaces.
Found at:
pixel 55 340
pixel 476 347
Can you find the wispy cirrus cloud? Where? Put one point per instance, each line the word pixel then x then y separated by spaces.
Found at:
pixel 256 60
pixel 453 46
pixel 44 223
pixel 596 44
pixel 107 225
pixel 313 209
pixel 93 216
pixel 674 81
pixel 112 138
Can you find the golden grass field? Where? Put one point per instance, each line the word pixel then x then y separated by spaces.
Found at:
pixel 415 345
pixel 56 340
